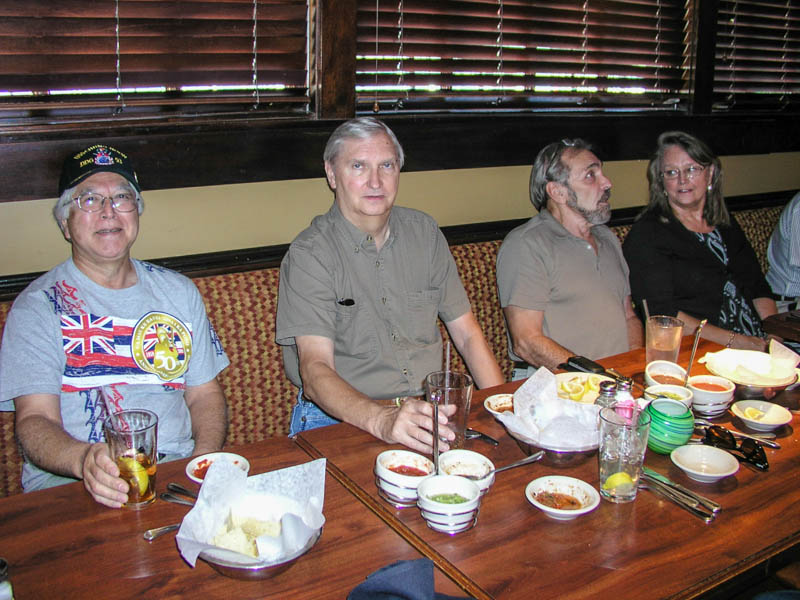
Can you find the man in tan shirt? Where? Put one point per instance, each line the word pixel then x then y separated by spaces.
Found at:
pixel 360 293
pixel 562 278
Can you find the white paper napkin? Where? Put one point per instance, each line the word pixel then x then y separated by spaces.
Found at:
pixel 543 418
pixel 294 496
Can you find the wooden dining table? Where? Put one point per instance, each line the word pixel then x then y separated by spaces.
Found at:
pixel 649 548
pixel 59 543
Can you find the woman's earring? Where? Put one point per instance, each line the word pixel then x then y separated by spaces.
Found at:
pixel 709 188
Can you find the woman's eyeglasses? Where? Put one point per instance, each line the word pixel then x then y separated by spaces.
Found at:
pixel 688 173
pixel 748 451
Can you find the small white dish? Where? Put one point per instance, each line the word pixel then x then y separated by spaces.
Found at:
pixel 499 403
pixel 588 497
pixel 397 488
pixel 772 417
pixel 674 392
pixel 197 467
pixel 705 396
pixel 706 464
pixel 448 517
pixel 664 368
pixel 462 462
pixel 707 410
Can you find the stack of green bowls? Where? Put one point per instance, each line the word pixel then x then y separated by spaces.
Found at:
pixel 671 425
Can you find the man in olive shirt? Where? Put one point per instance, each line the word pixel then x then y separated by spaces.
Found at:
pixel 561 276
pixel 359 297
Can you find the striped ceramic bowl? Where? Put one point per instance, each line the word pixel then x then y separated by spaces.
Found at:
pixel 671 425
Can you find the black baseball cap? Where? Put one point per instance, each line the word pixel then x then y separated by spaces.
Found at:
pixel 96 159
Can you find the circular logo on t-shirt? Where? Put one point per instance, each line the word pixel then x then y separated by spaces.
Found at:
pixel 161 344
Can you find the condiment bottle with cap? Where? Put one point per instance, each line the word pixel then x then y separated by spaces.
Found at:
pixel 608 393
pixel 624 401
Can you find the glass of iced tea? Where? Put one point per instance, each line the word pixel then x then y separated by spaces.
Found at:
pixel 132 437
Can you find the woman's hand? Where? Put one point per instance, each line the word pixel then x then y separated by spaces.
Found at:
pixel 748 342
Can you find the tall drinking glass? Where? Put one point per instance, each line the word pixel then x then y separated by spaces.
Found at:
pixel 623 441
pixel 132 437
pixel 663 338
pixel 449 387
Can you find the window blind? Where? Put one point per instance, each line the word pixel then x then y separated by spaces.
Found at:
pixel 419 55
pixel 89 59
pixel 757 59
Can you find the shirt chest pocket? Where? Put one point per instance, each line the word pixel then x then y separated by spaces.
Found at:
pixel 423 310
pixel 355 332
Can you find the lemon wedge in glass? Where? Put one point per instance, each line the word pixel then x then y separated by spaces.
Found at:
pixel 132 471
pixel 620 482
pixel 752 413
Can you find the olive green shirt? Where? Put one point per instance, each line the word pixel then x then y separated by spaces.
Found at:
pixel 380 308
pixel 541 266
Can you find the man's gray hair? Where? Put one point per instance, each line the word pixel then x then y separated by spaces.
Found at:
pixel 64 204
pixel 360 128
pixel 548 166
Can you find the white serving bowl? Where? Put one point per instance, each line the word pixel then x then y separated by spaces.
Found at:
pixel 466 462
pixel 499 403
pixel 710 410
pixel 702 396
pixel 663 367
pixel 444 517
pixel 674 392
pixel 205 460
pixel 582 491
pixel 774 415
pixel 397 489
pixel 706 464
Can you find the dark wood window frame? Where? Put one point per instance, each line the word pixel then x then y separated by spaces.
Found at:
pixel 241 151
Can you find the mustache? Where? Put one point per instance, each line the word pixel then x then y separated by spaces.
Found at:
pixel 606 196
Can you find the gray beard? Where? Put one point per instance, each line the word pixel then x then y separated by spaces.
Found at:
pixel 598 216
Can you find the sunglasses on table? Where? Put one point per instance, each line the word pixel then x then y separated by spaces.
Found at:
pixel 747 451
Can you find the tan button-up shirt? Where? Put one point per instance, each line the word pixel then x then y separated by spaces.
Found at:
pixel 380 308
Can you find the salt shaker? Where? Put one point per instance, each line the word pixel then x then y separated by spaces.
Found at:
pixel 608 393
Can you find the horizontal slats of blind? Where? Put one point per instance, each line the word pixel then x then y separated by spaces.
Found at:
pixel 472 54
pixel 757 62
pixel 62 55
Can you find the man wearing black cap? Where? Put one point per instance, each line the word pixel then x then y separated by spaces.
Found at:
pixel 102 320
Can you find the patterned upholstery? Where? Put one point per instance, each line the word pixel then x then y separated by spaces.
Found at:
pixel 476 266
pixel 242 307
pixel 758 225
pixel 10 456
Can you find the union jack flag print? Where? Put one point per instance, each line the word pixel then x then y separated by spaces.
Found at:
pixel 87 334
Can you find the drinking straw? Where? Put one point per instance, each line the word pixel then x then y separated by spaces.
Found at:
pixel 646 310
pixel 111 409
pixel 446 378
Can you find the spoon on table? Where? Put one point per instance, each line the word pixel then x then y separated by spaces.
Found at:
pixel 177 488
pixel 694 349
pixel 527 460
pixel 472 434
pixel 152 534
pixel 167 497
